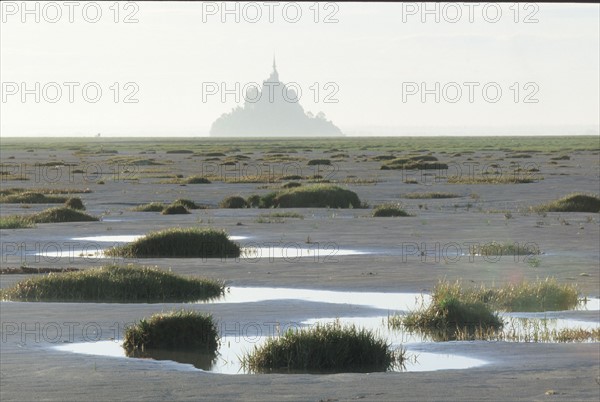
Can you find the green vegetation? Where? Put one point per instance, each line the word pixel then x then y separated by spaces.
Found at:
pixel 234 201
pixel 187 330
pixel 324 347
pixel 189 204
pixel 14 190
pixel 313 162
pixel 499 249
pixel 196 180
pixel 113 283
pixel 389 210
pixel 278 217
pixel 494 179
pixel 545 295
pixel 151 207
pixel 179 243
pixel 410 164
pixel 312 196
pixel 291 184
pixel 432 195
pixel 75 203
pixel 31 198
pixel 175 209
pixel 15 222
pixel 59 215
pixel 572 203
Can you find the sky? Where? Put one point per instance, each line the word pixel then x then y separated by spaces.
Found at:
pixel 171 69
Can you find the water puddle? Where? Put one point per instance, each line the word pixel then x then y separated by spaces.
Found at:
pixel 289 252
pixel 378 300
pixel 232 348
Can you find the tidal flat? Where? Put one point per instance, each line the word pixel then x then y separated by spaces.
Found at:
pixel 303 265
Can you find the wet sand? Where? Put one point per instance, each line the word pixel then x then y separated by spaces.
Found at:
pixel 30 369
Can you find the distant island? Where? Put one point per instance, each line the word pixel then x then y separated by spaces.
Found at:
pixel 272 116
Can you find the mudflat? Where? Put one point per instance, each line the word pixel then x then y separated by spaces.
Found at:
pixel 492 188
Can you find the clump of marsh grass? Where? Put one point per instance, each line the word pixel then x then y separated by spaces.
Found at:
pixel 291 184
pixel 151 207
pixel 114 283
pixel 59 215
pixel 432 195
pixel 189 204
pixel 234 201
pixel 312 196
pixel 494 179
pixel 183 330
pixel 324 348
pixel 75 203
pixel 408 164
pixel 313 162
pixel 577 202
pixel 448 313
pixel 15 222
pixel 389 210
pixel 499 249
pixel 278 217
pixel 17 190
pixel 175 209
pixel 179 243
pixel 31 198
pixel 197 180
pixel 546 295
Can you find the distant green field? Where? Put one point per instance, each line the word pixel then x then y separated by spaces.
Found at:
pixel 204 144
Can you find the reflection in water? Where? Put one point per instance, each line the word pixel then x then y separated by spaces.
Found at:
pixel 232 348
pixel 201 360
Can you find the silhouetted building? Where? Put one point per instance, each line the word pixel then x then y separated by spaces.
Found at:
pixel 274 110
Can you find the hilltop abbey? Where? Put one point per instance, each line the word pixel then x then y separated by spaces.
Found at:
pixel 272 111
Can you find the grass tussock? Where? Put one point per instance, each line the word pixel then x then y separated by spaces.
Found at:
pixel 189 204
pixel 182 329
pixel 408 164
pixel 323 348
pixel 312 196
pixel 151 207
pixel 494 179
pixel 449 313
pixel 113 283
pixel 389 210
pixel 75 203
pixel 15 222
pixel 30 197
pixel 432 195
pixel 179 243
pixel 233 202
pixel 15 190
pixel 196 180
pixel 59 215
pixel 500 249
pixel 572 203
pixel 314 162
pixel 175 209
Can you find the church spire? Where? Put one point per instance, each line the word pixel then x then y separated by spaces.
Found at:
pixel 274 65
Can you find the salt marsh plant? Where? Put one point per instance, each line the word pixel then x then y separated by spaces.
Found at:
pixel 30 197
pixel 311 196
pixel 324 348
pixel 234 201
pixel 577 202
pixel 114 283
pixel 175 209
pixel 59 215
pixel 499 249
pixel 179 243
pixel 183 330
pixel 75 203
pixel 389 210
pixel 151 207
pixel 432 195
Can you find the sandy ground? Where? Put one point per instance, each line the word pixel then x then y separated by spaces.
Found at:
pixel 31 370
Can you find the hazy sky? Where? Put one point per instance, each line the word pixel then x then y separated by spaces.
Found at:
pixel 376 56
